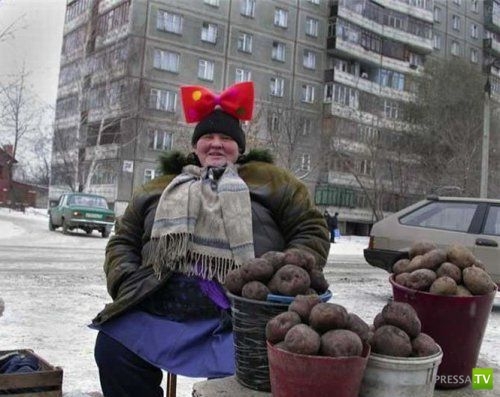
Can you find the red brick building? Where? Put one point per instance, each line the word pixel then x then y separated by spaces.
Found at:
pixel 12 193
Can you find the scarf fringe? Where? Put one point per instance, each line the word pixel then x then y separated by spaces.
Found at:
pixel 175 254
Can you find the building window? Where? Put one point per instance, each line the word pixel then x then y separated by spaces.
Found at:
pixel 113 19
pixel 312 27
pixel 314 2
pixel 305 163
pixel 457 2
pixel 391 79
pixel 307 126
pixel 437 14
pixel 209 32
pixel 213 3
pixel 277 86
pixel 160 140
pixel 455 22
pixel 391 109
pixel 474 5
pixel 307 93
pixel 245 41
pixel 206 70
pixel 274 122
pixel 169 22
pixel 163 100
pixel 149 175
pixel 166 60
pixel 473 55
pixel 281 17
pixel 346 96
pixel 455 48
pixel 278 52
pixel 248 8
pixel 76 8
pixel 474 31
pixel 437 41
pixel 242 75
pixel 309 61
pixel 103 175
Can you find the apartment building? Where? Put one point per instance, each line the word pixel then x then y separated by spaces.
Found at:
pixel 122 64
pixel 332 79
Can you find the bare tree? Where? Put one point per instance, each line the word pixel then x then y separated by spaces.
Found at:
pixel 449 113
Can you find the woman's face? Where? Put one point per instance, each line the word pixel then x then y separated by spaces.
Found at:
pixel 216 150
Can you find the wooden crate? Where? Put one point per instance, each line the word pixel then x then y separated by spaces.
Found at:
pixel 47 382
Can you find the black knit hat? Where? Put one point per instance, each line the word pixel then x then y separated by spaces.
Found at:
pixel 223 123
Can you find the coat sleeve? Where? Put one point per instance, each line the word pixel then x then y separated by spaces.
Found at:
pixel 123 260
pixel 300 223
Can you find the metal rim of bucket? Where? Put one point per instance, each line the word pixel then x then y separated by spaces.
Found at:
pixel 254 301
pixel 410 360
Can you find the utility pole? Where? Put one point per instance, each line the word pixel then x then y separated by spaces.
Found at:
pixel 483 192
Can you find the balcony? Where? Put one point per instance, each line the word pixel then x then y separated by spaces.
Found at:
pixel 406 8
pixel 492 15
pixel 350 50
pixel 102 152
pixel 492 47
pixel 371 87
pixel 419 43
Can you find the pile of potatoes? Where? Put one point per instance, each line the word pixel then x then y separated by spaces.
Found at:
pixel 453 271
pixel 397 332
pixel 313 327
pixel 290 273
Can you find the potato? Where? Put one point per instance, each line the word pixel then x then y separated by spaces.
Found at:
pixel 477 281
pixel 462 291
pixel 233 282
pixel 403 316
pixel 416 263
pixel 358 326
pixel 318 281
pixel 292 280
pixel 432 259
pixel 443 285
pixel 278 326
pixel 450 270
pixel 281 345
pixel 421 248
pixel 257 269
pixel 421 279
pixel 423 345
pixel 402 279
pixel 302 339
pixel 275 258
pixel 460 256
pixel 255 290
pixel 303 304
pixel 401 266
pixel 326 316
pixel 341 343
pixel 273 285
pixel 391 341
pixel 378 321
pixel 301 258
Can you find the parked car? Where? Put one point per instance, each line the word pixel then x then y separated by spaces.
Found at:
pixel 82 211
pixel 472 222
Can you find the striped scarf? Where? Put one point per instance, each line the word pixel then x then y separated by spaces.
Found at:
pixel 203 224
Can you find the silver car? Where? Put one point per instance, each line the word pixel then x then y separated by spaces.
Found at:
pixel 471 222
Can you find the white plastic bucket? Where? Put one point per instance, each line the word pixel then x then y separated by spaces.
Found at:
pixel 400 376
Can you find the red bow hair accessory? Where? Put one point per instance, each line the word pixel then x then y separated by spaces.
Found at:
pixel 236 100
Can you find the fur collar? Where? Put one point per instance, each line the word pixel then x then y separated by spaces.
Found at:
pixel 172 162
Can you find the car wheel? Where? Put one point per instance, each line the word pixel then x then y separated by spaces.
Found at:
pixel 65 227
pixel 105 232
pixel 51 225
pixel 88 231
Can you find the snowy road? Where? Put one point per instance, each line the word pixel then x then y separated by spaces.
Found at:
pixel 53 284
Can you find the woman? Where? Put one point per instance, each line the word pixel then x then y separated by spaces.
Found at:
pixel 182 232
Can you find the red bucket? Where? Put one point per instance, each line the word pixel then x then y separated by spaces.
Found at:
pixel 299 375
pixel 457 324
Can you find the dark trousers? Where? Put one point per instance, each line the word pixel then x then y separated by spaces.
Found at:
pixel 123 373
pixel 332 235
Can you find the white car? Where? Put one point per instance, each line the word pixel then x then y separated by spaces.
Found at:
pixel 471 222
